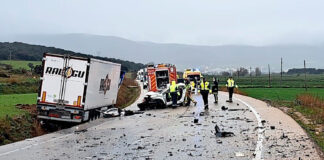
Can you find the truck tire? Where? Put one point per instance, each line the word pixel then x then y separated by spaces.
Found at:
pixel 97 114
pixel 91 115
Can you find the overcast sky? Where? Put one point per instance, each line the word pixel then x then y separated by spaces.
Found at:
pixel 208 22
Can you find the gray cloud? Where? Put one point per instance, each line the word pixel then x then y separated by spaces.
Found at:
pixel 218 22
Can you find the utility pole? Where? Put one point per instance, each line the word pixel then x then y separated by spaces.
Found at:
pixel 305 75
pixel 281 74
pixel 251 75
pixel 10 55
pixel 269 76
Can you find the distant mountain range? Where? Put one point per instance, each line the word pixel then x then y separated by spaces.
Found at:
pixel 207 58
pixel 23 51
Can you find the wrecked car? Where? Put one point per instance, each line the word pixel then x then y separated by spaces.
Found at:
pixel 162 99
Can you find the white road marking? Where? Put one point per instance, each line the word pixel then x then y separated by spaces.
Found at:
pixel 259 147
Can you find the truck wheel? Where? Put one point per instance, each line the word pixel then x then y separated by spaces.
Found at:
pixel 97 114
pixel 91 115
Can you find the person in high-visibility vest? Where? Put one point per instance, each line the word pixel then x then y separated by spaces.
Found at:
pixel 230 87
pixel 188 97
pixel 204 91
pixel 193 86
pixel 174 94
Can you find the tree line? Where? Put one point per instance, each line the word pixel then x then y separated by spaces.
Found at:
pixel 23 51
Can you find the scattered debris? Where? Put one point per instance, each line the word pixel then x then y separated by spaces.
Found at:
pixel 236 118
pixel 239 154
pixel 283 136
pixel 237 109
pixel 112 112
pixel 263 122
pixel 80 131
pixel 224 108
pixel 256 128
pixel 219 133
pixel 116 112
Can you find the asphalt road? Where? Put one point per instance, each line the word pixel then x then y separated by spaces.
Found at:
pixel 172 134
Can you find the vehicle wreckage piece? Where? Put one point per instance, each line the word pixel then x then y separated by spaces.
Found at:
pixel 162 99
pixel 116 112
pixel 219 133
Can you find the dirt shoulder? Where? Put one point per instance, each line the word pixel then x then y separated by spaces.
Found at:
pixel 282 132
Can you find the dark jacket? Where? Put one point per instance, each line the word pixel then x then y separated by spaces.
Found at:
pixel 215 86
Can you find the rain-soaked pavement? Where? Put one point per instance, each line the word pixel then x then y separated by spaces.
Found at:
pixel 168 134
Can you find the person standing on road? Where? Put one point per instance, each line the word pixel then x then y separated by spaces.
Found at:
pixel 188 97
pixel 204 91
pixel 215 89
pixel 174 94
pixel 230 87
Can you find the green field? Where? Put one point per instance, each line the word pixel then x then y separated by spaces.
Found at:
pixel 280 94
pixel 20 64
pixel 288 81
pixel 8 102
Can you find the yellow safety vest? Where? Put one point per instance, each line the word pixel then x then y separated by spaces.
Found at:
pixel 193 84
pixel 230 83
pixel 173 88
pixel 204 86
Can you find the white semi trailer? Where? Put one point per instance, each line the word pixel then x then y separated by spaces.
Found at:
pixel 76 89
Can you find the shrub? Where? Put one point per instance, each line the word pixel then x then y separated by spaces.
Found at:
pixel 315 104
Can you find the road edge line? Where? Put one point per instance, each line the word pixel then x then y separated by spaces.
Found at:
pixel 259 146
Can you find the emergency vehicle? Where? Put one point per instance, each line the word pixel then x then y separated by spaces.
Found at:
pixel 159 76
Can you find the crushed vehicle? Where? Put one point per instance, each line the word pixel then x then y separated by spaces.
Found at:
pixel 162 99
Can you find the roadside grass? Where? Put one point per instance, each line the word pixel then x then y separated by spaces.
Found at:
pixel 288 81
pixel 20 64
pixel 8 103
pixel 281 94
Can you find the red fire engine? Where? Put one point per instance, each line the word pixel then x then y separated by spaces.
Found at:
pixel 161 75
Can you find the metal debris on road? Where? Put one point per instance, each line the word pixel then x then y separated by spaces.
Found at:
pixel 80 131
pixel 219 133
pixel 224 108
pixel 239 154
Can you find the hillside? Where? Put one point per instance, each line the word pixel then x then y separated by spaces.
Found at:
pixel 207 58
pixel 23 51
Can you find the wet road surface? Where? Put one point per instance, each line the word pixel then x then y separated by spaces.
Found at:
pixel 172 134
